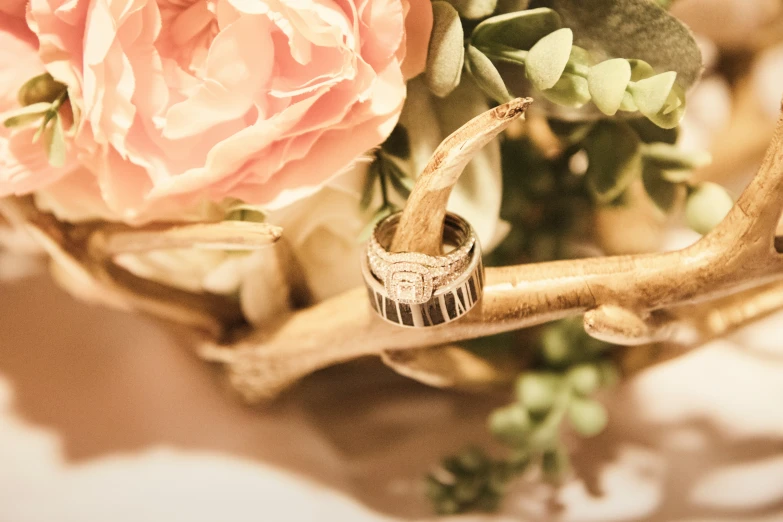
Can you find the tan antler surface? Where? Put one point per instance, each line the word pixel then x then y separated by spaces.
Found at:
pixel 623 295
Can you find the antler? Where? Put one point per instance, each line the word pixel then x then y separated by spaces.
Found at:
pixel 625 299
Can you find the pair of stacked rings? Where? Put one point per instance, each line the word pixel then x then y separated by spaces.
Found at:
pixel 419 290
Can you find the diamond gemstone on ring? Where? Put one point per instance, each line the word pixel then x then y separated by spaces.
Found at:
pixel 409 283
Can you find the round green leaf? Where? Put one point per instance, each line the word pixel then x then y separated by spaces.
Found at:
pixel 707 206
pixel 640 70
pixel 613 159
pixel 607 82
pixel 486 75
pixel 518 30
pixel 446 50
pixel 474 9
pixel 570 91
pixel 537 391
pixel 510 424
pixel 588 417
pixel 584 379
pixel 673 110
pixel 547 59
pixel 650 95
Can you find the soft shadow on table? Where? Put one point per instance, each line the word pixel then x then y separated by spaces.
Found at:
pixel 110 383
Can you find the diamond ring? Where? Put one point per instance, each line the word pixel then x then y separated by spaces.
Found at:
pixel 414 289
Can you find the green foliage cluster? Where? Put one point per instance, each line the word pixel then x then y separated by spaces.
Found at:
pixel 562 72
pixel 570 369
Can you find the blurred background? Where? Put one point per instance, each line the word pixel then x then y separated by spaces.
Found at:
pixel 105 415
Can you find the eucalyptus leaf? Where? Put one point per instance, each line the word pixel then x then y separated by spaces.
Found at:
pixel 673 110
pixel 637 29
pixel 607 82
pixel 548 58
pixel 570 91
pixel 640 70
pixel 613 159
pixel 474 9
pixel 27 114
pixel 486 75
pixel 662 192
pixel 518 30
pixel 670 157
pixel 651 133
pixel 55 143
pixel 650 95
pixel 446 52
pixel 707 205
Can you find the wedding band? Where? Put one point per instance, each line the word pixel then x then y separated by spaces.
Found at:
pixel 418 290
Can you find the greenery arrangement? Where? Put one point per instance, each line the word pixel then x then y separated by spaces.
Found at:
pixel 610 82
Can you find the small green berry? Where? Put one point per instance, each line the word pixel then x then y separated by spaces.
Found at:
pixel 584 379
pixel 510 424
pixel 537 391
pixel 588 417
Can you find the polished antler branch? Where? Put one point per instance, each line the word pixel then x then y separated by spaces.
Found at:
pixel 624 296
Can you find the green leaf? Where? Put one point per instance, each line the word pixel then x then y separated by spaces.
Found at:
pixel 651 133
pixel 650 95
pixel 538 391
pixel 607 82
pixel 399 180
pixel 614 161
pixel 446 50
pixel 370 181
pixel 662 192
pixel 398 143
pixel 636 29
pixel 670 157
pixel 707 205
pixel 510 424
pixel 517 30
pixel 640 70
pixel 588 417
pixel 41 88
pixel 547 59
pixel 570 91
pixel 55 143
pixel 27 114
pixel 487 77
pixel 474 9
pixel 673 110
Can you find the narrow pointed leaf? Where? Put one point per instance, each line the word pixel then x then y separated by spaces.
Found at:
pixel 55 143
pixel 486 75
pixel 27 114
pixel 446 50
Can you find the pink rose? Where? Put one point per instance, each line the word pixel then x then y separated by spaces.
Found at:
pixel 182 102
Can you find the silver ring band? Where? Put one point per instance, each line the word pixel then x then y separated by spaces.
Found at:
pixel 417 290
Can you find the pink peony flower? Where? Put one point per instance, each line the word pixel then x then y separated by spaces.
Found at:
pixel 178 102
